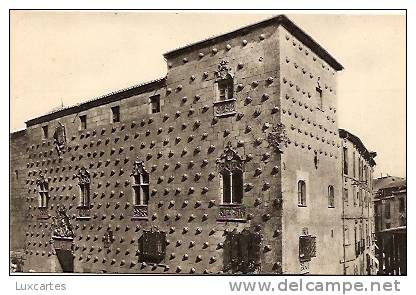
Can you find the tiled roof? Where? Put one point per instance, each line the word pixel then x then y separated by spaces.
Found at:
pixel 106 98
pixel 279 20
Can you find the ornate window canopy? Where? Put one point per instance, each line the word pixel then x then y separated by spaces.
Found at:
pixel 61 227
pixel 224 71
pixel 83 176
pixel 277 138
pixel 139 168
pixel 42 181
pixel 230 160
pixel 59 137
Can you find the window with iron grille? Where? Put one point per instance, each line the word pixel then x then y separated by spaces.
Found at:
pixel 307 247
pixel 152 246
pixel 242 252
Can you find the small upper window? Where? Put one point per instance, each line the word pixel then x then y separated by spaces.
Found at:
pixel 155 104
pixel 45 132
pixel 301 193
pixel 331 197
pixel 83 121
pixel 225 89
pixel 345 160
pixel 115 112
pixel 387 210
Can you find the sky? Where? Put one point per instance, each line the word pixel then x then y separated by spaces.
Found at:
pixel 67 57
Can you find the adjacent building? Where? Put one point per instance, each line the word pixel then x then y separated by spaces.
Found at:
pixel 358 215
pixel 390 206
pixel 231 163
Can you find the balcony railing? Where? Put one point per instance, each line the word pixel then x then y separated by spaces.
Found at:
pixel 42 213
pixel 232 212
pixel 224 108
pixel 140 212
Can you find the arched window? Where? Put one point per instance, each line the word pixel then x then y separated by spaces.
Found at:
pixel 230 167
pixel 140 184
pixel 331 197
pixel 301 193
pixel 84 185
pixel 43 191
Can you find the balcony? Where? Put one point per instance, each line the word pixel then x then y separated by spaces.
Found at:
pixel 84 212
pixel 232 212
pixel 140 212
pixel 224 108
pixel 42 213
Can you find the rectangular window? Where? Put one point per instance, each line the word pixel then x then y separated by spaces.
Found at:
pixel 353 164
pixel 345 159
pixel 387 212
pixel 152 246
pixel 320 98
pixel 155 104
pixel 225 89
pixel 347 235
pixel 43 195
pixel 45 132
pixel 115 114
pixel 85 194
pixel 301 193
pixel 141 189
pixel 401 205
pixel 242 252
pixel 346 196
pixel 307 247
pixel 232 187
pixel 83 121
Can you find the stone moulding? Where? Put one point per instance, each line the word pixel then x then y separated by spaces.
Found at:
pixel 225 108
pixel 232 212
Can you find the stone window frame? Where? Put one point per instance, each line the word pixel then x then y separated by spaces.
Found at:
pixel 231 165
pixel 84 183
pixel 331 196
pixel 115 114
pixel 83 122
pixel 226 85
pixel 141 188
pixel 45 132
pixel 347 235
pixel 43 192
pixel 307 247
pixel 301 191
pixel 152 102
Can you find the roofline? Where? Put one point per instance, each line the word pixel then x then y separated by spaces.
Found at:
pixel 359 144
pixel 101 100
pixel 279 20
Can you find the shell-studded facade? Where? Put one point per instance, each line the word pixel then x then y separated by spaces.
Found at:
pixel 145 193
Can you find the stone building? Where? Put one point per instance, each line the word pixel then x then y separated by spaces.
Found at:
pixel 230 163
pixel 358 216
pixel 390 206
